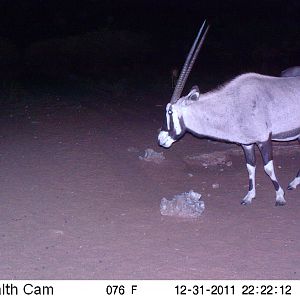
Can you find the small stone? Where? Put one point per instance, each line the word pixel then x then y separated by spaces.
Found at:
pixel 153 156
pixel 215 185
pixel 183 205
pixel 229 163
pixel 133 149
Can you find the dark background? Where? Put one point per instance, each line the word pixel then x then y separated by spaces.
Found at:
pixel 132 44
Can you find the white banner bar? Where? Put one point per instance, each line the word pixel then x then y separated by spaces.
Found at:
pixel 149 289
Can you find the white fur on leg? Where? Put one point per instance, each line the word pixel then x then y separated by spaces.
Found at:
pixel 269 168
pixel 280 197
pixel 294 183
pixel 248 198
pixel 251 194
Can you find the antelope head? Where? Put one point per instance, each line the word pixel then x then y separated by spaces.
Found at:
pixel 173 127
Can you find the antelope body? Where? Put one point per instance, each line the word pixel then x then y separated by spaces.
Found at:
pixel 291 72
pixel 251 109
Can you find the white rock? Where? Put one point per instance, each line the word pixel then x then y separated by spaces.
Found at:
pixel 215 185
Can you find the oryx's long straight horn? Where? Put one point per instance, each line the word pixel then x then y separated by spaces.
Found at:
pixel 189 62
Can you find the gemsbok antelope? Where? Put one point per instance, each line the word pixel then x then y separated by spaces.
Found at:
pixel 251 109
pixel 291 72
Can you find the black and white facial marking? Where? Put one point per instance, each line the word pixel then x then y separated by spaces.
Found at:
pixel 173 128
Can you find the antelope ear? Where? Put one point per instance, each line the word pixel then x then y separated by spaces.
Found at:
pixel 194 93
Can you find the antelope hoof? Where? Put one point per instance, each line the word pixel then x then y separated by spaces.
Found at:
pixel 248 198
pixel 293 184
pixel 280 201
pixel 246 201
pixel 243 202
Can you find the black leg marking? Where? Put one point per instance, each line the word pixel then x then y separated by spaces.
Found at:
pixel 266 151
pixel 250 184
pixel 249 152
pixel 267 155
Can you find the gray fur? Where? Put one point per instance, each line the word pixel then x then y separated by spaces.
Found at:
pixel 251 109
pixel 246 110
pixel 291 72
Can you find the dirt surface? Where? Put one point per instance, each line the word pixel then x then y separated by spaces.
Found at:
pixel 78 203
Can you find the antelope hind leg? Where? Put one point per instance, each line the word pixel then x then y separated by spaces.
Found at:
pixel 267 155
pixel 293 184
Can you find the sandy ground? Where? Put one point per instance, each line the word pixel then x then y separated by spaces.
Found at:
pixel 78 203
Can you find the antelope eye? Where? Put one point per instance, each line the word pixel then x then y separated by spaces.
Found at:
pixel 170 112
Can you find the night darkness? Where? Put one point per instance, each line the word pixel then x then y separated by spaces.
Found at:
pixel 83 91
pixel 113 39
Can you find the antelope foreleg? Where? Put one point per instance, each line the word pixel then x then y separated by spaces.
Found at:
pixel 249 152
